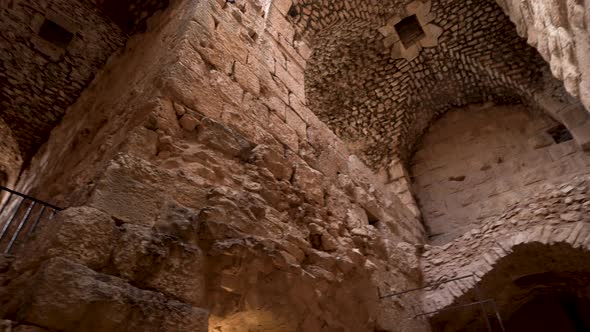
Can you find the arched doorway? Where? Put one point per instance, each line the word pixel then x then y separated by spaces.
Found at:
pixel 537 287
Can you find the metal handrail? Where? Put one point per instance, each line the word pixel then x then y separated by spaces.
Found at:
pixel 20 215
pixel 2 188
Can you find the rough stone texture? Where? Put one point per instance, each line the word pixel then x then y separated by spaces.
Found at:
pixel 62 295
pixel 381 106
pixel 130 15
pixel 218 188
pixel 10 157
pixel 474 162
pixel 40 78
pixel 553 222
pixel 203 193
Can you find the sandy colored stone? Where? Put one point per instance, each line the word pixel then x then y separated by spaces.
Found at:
pixel 66 293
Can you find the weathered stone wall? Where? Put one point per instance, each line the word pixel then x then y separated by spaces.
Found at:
pixel 41 73
pixel 214 185
pixel 474 162
pixel 10 157
pixel 130 15
pixel 380 104
pixel 559 31
pixel 547 233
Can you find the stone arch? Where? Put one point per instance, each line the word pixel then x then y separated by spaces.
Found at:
pixel 380 103
pixel 504 254
pixel 522 276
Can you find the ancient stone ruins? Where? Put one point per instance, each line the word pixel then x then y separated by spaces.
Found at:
pixel 294 165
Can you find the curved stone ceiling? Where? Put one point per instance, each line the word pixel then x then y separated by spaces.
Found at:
pixel 381 102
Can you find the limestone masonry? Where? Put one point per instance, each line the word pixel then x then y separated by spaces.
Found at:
pixel 294 165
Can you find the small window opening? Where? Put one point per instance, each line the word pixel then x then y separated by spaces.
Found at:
pixel 55 34
pixel 457 178
pixel 373 220
pixel 316 241
pixel 293 12
pixel 560 134
pixel 409 30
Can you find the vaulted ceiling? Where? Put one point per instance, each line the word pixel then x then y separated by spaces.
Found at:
pixel 51 50
pixel 380 99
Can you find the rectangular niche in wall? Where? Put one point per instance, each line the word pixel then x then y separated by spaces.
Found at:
pixel 560 134
pixel 409 30
pixel 54 33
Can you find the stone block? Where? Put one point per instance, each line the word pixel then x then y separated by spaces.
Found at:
pixel 278 25
pixel 274 161
pixel 188 122
pixel 71 297
pixel 582 135
pixel 304 50
pixel 283 133
pixel 562 150
pixel 160 261
pixel 310 182
pixel 276 105
pixel 574 116
pixel 81 234
pixel 294 121
pixel 282 6
pixel 296 87
pixel 117 191
pixel 302 110
pixel 247 79
pixel 223 139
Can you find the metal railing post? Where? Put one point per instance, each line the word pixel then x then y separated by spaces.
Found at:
pixel 13 207
pixel 19 228
pixel 8 222
pixel 484 312
pixel 5 204
pixel 498 316
pixel 34 226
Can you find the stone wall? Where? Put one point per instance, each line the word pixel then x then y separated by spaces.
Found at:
pixel 51 50
pixel 474 162
pixel 10 157
pixel 379 103
pixel 559 31
pixel 203 181
pixel 130 15
pixel 545 234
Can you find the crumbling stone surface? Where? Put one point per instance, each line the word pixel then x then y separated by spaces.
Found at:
pixel 474 162
pixel 63 295
pixel 10 157
pixel 554 217
pixel 559 31
pixel 217 187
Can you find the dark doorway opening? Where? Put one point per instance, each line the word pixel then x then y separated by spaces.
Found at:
pixel 552 313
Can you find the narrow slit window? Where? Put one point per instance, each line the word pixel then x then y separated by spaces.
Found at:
pixel 55 34
pixel 560 134
pixel 409 30
pixel 3 178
